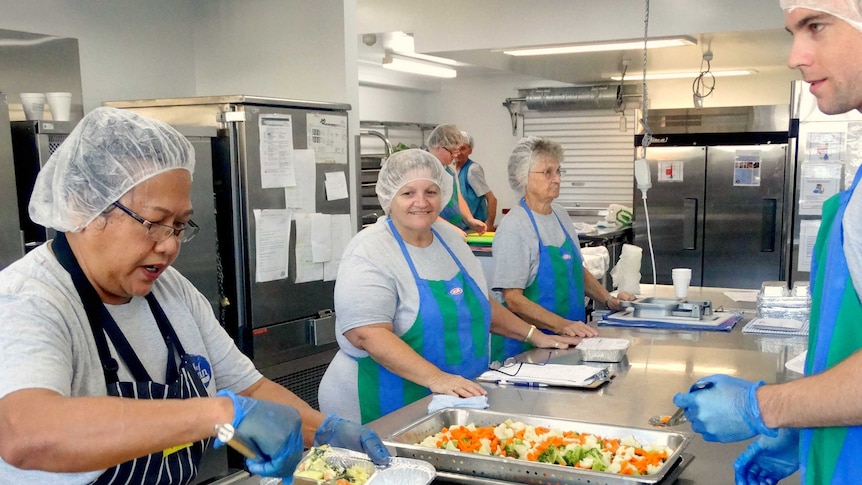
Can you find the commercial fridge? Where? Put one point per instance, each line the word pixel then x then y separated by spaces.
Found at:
pixel 284 323
pixel 716 203
pixel 827 150
pixel 11 237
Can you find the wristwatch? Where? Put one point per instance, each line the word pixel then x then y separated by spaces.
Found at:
pixel 608 300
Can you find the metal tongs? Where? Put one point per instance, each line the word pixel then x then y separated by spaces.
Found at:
pixel 227 434
pixel 678 417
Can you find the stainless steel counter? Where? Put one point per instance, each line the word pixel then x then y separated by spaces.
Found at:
pixel 659 363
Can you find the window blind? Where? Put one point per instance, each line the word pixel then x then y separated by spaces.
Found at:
pixel 599 158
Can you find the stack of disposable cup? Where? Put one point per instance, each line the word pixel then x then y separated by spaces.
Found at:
pixel 33 104
pixel 61 105
pixel 627 272
pixel 681 279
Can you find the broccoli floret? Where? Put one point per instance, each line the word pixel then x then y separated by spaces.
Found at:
pixel 551 455
pixel 509 450
pixel 574 455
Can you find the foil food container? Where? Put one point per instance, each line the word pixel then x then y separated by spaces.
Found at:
pixel 401 471
pixel 474 467
pixel 599 349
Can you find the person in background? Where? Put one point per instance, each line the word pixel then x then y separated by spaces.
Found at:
pixel 412 306
pixel 472 185
pixel 444 142
pixel 813 424
pixel 114 368
pixel 539 268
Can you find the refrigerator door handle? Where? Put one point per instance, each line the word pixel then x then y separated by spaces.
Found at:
pixel 767 225
pixel 689 223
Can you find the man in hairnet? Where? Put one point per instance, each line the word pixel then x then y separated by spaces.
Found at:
pixel 813 424
pixel 479 198
pixel 114 368
pixel 445 142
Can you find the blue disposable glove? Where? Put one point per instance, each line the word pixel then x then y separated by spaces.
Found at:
pixel 768 460
pixel 724 408
pixel 273 431
pixel 341 433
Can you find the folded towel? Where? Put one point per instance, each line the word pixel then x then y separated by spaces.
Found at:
pixel 440 401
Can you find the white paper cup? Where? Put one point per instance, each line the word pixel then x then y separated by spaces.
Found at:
pixel 681 279
pixel 60 104
pixel 33 104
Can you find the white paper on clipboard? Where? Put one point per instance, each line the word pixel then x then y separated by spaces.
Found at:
pixel 550 374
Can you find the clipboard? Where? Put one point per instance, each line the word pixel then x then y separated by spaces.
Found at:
pixel 550 375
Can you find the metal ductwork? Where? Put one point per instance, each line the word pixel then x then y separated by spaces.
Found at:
pixel 571 98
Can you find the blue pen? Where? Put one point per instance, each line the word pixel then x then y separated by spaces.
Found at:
pixel 523 384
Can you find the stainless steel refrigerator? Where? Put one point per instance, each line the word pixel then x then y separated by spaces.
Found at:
pixel 827 150
pixel 718 187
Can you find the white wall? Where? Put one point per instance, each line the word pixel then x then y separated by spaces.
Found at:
pixel 129 49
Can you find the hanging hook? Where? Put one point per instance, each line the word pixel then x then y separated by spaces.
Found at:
pixel 511 106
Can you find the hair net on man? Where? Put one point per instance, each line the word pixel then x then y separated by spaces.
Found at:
pixel 468 138
pixel 444 136
pixel 404 167
pixel 106 155
pixel 523 158
pixel 849 11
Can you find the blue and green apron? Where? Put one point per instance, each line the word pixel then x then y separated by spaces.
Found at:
pixel 451 212
pixel 450 331
pixel 831 454
pixel 183 380
pixel 478 204
pixel 558 287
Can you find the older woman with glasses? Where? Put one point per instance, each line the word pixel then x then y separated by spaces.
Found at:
pixel 538 267
pixel 412 310
pixel 445 142
pixel 114 368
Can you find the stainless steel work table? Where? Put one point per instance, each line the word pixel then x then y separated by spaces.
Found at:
pixel 659 363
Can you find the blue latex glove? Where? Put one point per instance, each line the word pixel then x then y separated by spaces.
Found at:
pixel 768 460
pixel 341 433
pixel 724 408
pixel 274 432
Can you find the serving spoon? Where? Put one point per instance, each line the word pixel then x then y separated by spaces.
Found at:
pixel 678 417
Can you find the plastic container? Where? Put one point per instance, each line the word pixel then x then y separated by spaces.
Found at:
pixel 599 349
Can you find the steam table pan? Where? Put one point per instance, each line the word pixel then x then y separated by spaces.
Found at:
pixel 475 466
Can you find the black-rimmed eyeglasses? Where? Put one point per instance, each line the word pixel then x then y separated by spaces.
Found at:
pixel 452 151
pixel 550 174
pixel 160 232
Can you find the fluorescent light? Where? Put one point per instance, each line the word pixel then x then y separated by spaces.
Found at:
pixel 618 45
pixel 652 76
pixel 414 66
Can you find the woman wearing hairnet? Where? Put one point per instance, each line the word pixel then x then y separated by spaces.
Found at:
pixel 543 279
pixel 412 309
pixel 445 142
pixel 111 357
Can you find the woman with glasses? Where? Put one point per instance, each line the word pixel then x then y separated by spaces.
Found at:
pixel 445 142
pixel 538 266
pixel 412 306
pixel 114 368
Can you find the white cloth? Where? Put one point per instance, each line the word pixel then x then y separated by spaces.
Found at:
pixel 47 342
pixel 516 246
pixel 442 401
pixel 375 285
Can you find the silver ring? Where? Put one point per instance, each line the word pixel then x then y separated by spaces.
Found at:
pixel 556 345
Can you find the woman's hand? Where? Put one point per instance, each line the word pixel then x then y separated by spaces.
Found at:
pixel 455 385
pixel 545 341
pixel 614 303
pixel 477 225
pixel 578 329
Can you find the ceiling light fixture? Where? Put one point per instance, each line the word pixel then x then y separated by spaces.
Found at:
pixel 682 75
pixel 415 66
pixel 617 45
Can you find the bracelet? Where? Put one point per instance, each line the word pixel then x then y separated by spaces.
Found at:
pixel 608 300
pixel 530 333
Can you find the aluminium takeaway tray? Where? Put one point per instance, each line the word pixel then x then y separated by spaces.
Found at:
pixel 474 465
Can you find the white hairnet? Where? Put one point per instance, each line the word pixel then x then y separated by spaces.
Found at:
pixel 107 154
pixel 444 136
pixel 523 158
pixel 468 138
pixel 849 11
pixel 405 166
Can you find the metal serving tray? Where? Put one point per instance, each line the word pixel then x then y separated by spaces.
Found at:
pixel 522 471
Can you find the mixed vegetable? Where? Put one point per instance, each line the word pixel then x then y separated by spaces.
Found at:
pixel 624 456
pixel 316 467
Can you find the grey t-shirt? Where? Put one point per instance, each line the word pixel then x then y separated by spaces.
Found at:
pixel 47 342
pixel 516 246
pixel 375 285
pixel 853 238
pixel 476 179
